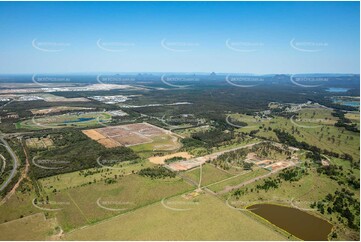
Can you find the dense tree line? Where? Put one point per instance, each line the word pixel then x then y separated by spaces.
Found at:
pixel 214 137
pixel 173 159
pixel 344 204
pixel 235 157
pixel 74 151
pixel 288 139
pixel 292 175
pixel 157 172
pixel 269 183
pixel 345 122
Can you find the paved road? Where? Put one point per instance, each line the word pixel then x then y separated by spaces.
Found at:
pixel 15 162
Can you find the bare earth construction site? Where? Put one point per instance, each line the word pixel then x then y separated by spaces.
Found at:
pixel 128 135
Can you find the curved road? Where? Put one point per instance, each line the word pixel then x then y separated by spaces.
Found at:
pixel 15 162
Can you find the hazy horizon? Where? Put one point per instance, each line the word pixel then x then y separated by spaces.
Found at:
pixel 227 37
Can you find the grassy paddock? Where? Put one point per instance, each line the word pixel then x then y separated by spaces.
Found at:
pixel 81 204
pixel 209 220
pixel 210 174
pixel 238 179
pixel 75 179
pixel 33 227
pixel 323 133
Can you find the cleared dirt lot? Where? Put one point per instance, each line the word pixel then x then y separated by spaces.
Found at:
pixel 93 134
pixel 126 135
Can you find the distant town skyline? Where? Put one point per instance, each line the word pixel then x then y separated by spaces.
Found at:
pixel 202 37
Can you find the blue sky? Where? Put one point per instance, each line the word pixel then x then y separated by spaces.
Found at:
pixel 244 37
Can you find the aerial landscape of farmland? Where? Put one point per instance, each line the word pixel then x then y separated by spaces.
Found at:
pixel 200 121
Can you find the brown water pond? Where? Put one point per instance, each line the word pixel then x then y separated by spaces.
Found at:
pixel 297 222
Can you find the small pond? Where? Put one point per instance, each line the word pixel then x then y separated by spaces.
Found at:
pixel 296 222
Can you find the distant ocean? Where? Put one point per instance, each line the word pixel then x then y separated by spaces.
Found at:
pixel 337 89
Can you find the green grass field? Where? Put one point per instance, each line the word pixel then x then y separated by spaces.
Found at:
pixel 320 130
pixel 162 143
pixel 34 227
pixel 65 120
pixel 75 179
pixel 238 179
pixel 19 205
pixel 210 174
pixel 310 188
pixel 299 194
pixel 80 206
pixel 211 219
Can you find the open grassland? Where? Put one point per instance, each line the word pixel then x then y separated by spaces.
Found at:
pixel 165 142
pixel 84 177
pixel 18 205
pixel 354 117
pixel 66 120
pixel 91 203
pixel 314 126
pixel 187 132
pixel 302 194
pixel 238 179
pixel 33 227
pixel 211 219
pixel 210 174
pixel 246 141
pixel 308 189
pixel 317 116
